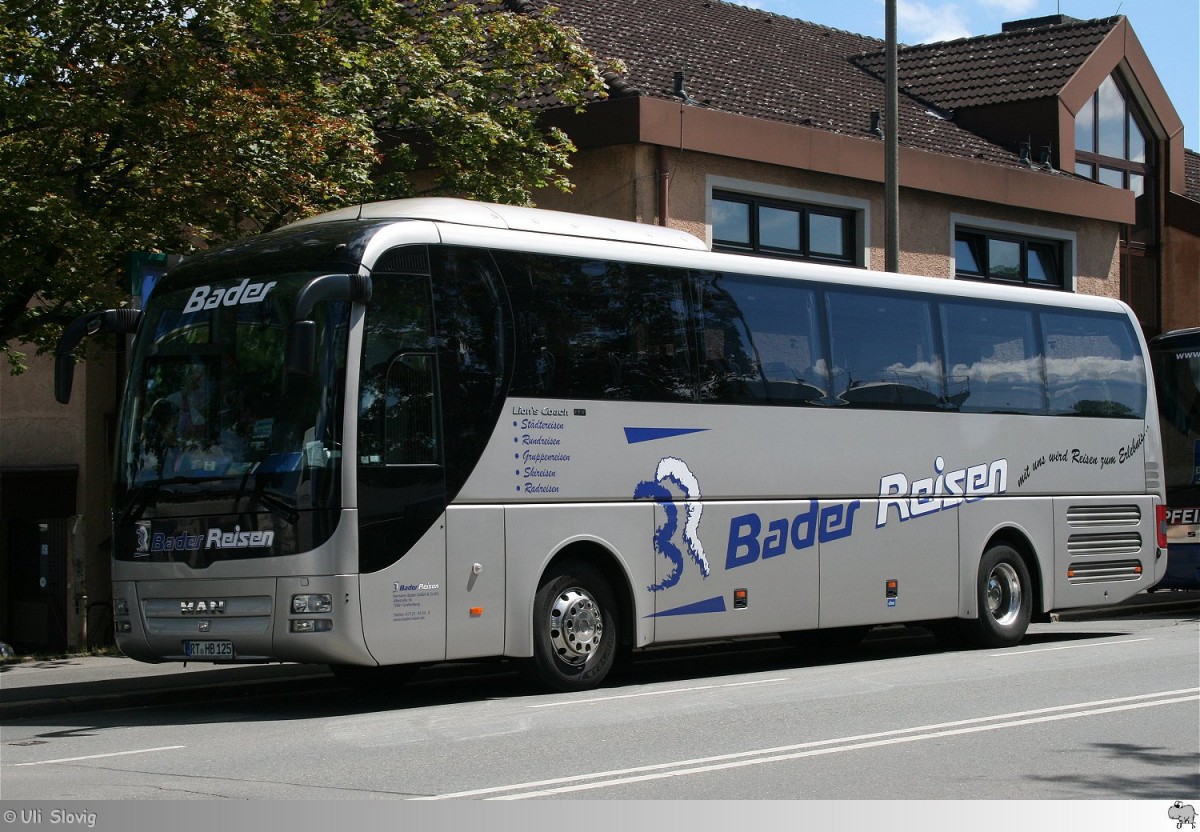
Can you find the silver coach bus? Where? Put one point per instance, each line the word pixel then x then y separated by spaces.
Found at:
pixel 431 430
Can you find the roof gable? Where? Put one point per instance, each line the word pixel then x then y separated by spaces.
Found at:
pixel 1020 65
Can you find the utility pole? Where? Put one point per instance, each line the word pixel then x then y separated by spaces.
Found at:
pixel 891 149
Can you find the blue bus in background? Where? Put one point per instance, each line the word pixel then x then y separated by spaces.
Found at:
pixel 1176 360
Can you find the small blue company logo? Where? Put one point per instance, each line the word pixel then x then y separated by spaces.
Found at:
pixel 142 538
pixel 673 479
pixel 1181 814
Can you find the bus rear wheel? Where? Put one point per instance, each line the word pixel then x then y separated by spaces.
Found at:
pixel 575 628
pixel 1004 594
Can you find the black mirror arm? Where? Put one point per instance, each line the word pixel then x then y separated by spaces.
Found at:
pixel 119 321
pixel 301 346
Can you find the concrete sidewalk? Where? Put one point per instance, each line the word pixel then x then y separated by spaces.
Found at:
pixel 77 683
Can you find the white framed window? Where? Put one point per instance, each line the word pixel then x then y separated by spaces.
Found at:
pixel 1015 253
pixel 774 221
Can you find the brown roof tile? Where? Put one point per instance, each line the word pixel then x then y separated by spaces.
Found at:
pixel 762 65
pixel 1012 66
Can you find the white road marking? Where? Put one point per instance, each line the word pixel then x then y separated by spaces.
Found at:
pixel 100 756
pixel 680 768
pixel 1070 647
pixel 562 703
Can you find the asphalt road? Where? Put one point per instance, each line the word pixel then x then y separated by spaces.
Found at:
pixel 1101 708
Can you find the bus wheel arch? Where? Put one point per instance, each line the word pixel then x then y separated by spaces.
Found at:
pixel 582 618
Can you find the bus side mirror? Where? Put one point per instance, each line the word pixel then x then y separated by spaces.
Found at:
pixel 302 331
pixel 120 321
pixel 64 377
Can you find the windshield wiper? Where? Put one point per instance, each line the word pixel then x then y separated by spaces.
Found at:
pixel 140 497
pixel 276 505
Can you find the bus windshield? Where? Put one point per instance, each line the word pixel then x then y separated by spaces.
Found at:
pixel 212 420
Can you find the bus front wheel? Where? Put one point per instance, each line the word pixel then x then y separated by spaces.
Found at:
pixel 1004 595
pixel 574 628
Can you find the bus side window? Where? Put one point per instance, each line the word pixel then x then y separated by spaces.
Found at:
pixel 760 342
pixel 884 344
pixel 992 358
pixel 396 388
pixel 658 365
pixel 410 417
pixel 597 329
pixel 1093 366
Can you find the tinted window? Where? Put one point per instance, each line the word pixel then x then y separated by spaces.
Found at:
pixel 782 229
pixel 883 350
pixel 760 341
pixel 396 406
pixel 993 361
pixel 1093 366
pixel 988 256
pixel 600 329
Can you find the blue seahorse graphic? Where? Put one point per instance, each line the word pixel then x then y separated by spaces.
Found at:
pixel 674 472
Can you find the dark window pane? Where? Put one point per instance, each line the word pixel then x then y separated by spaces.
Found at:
pixel 883 351
pixel 827 234
pixel 779 228
pixel 760 342
pixel 471 334
pixel 731 222
pixel 1004 259
pixel 782 229
pixel 657 366
pixel 992 359
pixel 968 254
pixel 1093 366
pixel 410 424
pixel 396 409
pixel 593 329
pixel 1041 264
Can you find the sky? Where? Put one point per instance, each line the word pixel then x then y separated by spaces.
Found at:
pixel 1169 30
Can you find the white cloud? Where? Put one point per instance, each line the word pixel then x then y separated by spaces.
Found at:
pixel 1011 9
pixel 920 22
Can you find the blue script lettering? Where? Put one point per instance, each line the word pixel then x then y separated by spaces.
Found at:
pixel 746 543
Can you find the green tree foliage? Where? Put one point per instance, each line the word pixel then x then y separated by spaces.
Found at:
pixel 165 125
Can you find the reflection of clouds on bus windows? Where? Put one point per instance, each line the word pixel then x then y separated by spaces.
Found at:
pixel 1094 367
pixel 925 369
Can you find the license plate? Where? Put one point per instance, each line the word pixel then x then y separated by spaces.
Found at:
pixel 208 649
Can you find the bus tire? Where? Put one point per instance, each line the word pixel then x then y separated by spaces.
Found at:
pixel 575 628
pixel 1005 597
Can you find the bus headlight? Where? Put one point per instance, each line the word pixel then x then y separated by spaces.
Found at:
pixel 302 604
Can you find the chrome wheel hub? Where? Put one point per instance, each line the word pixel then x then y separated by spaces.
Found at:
pixel 576 626
pixel 1004 594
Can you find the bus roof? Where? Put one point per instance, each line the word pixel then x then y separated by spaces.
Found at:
pixel 512 217
pixel 1177 338
pixel 694 253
